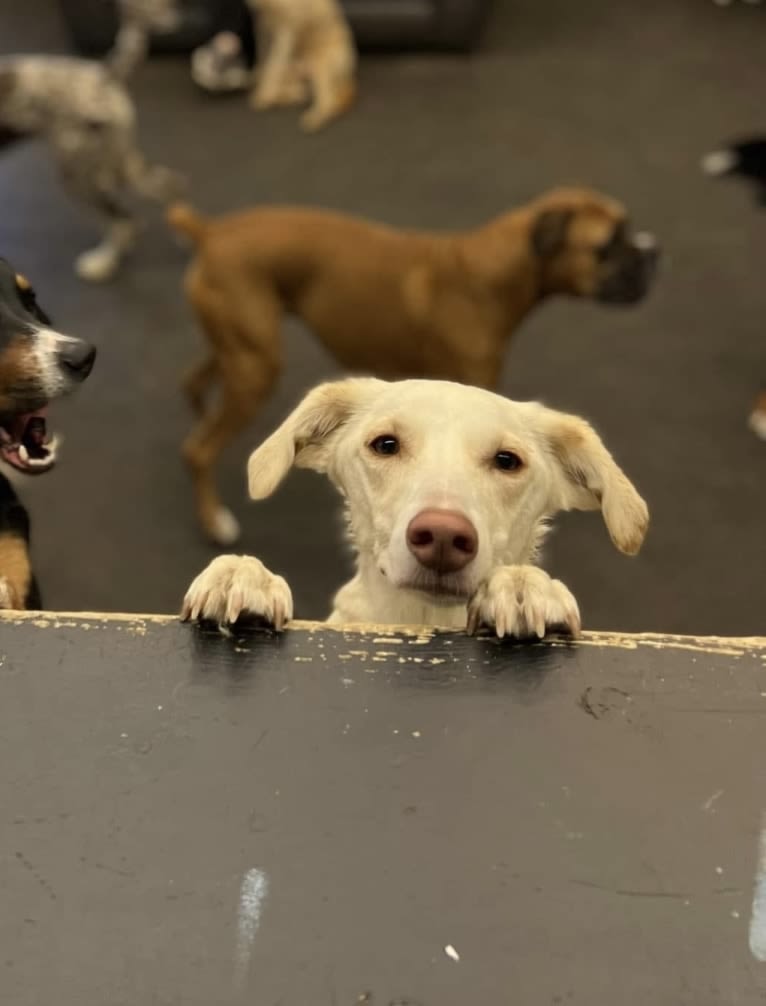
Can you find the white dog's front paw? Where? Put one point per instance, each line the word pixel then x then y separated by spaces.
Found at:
pixel 523 601
pixel 234 585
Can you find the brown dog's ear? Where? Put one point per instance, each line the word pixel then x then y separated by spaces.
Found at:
pixel 587 478
pixel 304 438
pixel 549 231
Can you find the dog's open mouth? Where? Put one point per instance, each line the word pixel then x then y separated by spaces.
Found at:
pixel 25 443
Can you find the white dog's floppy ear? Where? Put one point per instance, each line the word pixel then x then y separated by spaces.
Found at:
pixel 589 479
pixel 304 438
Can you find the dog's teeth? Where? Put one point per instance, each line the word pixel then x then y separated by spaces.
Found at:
pixel 23 453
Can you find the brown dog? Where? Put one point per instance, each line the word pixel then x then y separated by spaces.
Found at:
pixel 386 302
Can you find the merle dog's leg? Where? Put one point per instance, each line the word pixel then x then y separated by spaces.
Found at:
pixel 91 170
pixel 130 48
pixel 102 262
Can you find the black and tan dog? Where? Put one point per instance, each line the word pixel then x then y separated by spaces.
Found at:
pixel 386 302
pixel 37 364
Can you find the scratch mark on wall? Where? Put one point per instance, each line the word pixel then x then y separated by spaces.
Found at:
pixel 37 874
pixel 713 798
pixel 758 916
pixel 252 895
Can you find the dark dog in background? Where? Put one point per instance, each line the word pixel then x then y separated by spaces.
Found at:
pixel 37 365
pixel 89 121
pixel 745 159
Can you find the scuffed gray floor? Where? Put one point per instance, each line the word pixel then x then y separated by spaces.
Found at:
pixel 621 95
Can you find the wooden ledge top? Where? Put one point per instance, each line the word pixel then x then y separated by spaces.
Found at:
pixel 137 623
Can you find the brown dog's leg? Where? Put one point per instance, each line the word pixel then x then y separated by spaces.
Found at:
pixel 242 395
pixel 197 381
pixel 247 362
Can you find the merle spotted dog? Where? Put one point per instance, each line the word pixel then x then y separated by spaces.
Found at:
pixel 37 365
pixel 89 121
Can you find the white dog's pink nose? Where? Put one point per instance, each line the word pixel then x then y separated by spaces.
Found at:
pixel 442 540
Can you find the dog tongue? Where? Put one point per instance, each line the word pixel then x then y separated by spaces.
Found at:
pixel 24 443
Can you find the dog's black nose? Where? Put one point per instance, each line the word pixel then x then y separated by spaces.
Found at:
pixel 76 357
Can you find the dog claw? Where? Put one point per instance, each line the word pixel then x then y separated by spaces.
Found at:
pixel 472 625
pixel 232 586
pixel 523 602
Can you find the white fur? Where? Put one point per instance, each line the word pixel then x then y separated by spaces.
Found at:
pixel 53 380
pixel 99 264
pixel 645 241
pixel 233 585
pixel 226 530
pixel 757 423
pixel 523 601
pixel 719 162
pixel 449 435
pixel 7 602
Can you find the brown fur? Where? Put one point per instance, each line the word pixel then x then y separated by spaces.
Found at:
pixel 17 370
pixel 387 302
pixel 16 574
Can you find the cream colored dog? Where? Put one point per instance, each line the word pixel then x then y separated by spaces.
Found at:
pixel 449 490
pixel 308 52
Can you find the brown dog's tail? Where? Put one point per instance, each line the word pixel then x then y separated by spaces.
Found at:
pixel 186 221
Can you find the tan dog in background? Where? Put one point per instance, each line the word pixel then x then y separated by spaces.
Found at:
pixel 386 302
pixel 449 491
pixel 308 52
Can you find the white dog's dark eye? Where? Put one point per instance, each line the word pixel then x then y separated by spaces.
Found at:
pixel 508 461
pixel 385 445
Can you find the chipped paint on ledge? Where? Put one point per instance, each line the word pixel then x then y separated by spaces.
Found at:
pixel 736 646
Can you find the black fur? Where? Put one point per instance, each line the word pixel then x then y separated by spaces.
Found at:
pixel 550 231
pixel 748 161
pixel 20 314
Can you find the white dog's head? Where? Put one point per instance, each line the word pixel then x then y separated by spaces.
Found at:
pixel 445 482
